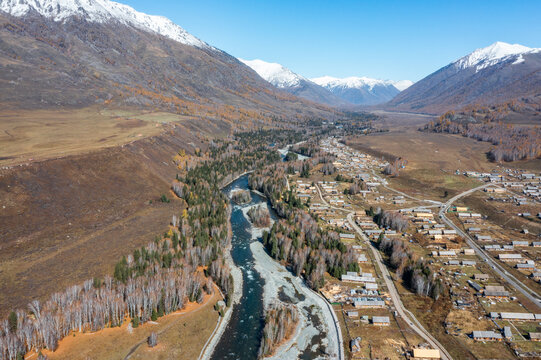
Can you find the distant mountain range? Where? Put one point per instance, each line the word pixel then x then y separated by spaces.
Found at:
pixel 329 90
pixel 362 90
pixel 79 53
pixel 295 84
pixel 498 73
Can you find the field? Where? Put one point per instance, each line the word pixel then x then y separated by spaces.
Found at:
pixel 505 214
pixel 35 135
pixel 432 160
pixel 41 134
pixel 181 335
pixel 390 341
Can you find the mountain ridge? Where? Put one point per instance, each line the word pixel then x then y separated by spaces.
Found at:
pixel 285 79
pixel 493 54
pixel 495 74
pixel 359 90
pixel 101 11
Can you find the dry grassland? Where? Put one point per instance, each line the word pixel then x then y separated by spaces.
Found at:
pixel 41 134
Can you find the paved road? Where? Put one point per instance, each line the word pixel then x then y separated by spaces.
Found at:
pixel 498 268
pixel 408 317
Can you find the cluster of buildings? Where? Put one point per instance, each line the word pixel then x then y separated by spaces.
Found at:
pixel 351 162
pixel 510 252
pixel 355 287
pixel 490 291
pixel 448 248
pixel 365 319
pixel 526 183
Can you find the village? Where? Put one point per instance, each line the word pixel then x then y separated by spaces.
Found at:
pixel 485 309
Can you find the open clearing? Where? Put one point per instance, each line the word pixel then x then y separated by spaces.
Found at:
pixel 40 134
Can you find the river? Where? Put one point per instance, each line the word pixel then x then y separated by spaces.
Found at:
pixel 266 281
pixel 243 333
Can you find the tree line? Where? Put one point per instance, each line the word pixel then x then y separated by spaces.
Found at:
pixel 259 216
pixel 391 220
pixel 241 197
pixel 414 271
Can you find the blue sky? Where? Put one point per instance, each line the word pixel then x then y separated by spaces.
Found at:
pixel 381 39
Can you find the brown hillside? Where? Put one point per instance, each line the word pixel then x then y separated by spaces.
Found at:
pixel 69 219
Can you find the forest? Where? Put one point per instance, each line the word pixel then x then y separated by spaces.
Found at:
pixel 308 148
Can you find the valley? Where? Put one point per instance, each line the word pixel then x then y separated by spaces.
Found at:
pixel 162 198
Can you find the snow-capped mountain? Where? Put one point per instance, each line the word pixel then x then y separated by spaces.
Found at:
pixel 493 54
pixel 362 90
pixel 100 11
pixel 490 75
pixel 276 74
pixel 360 82
pixel 285 79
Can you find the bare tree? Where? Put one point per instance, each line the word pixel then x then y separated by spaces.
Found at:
pixel 152 340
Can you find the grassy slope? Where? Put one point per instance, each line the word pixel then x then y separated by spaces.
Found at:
pixel 44 134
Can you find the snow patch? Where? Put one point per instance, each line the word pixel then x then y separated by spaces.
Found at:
pixel 519 60
pixel 402 85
